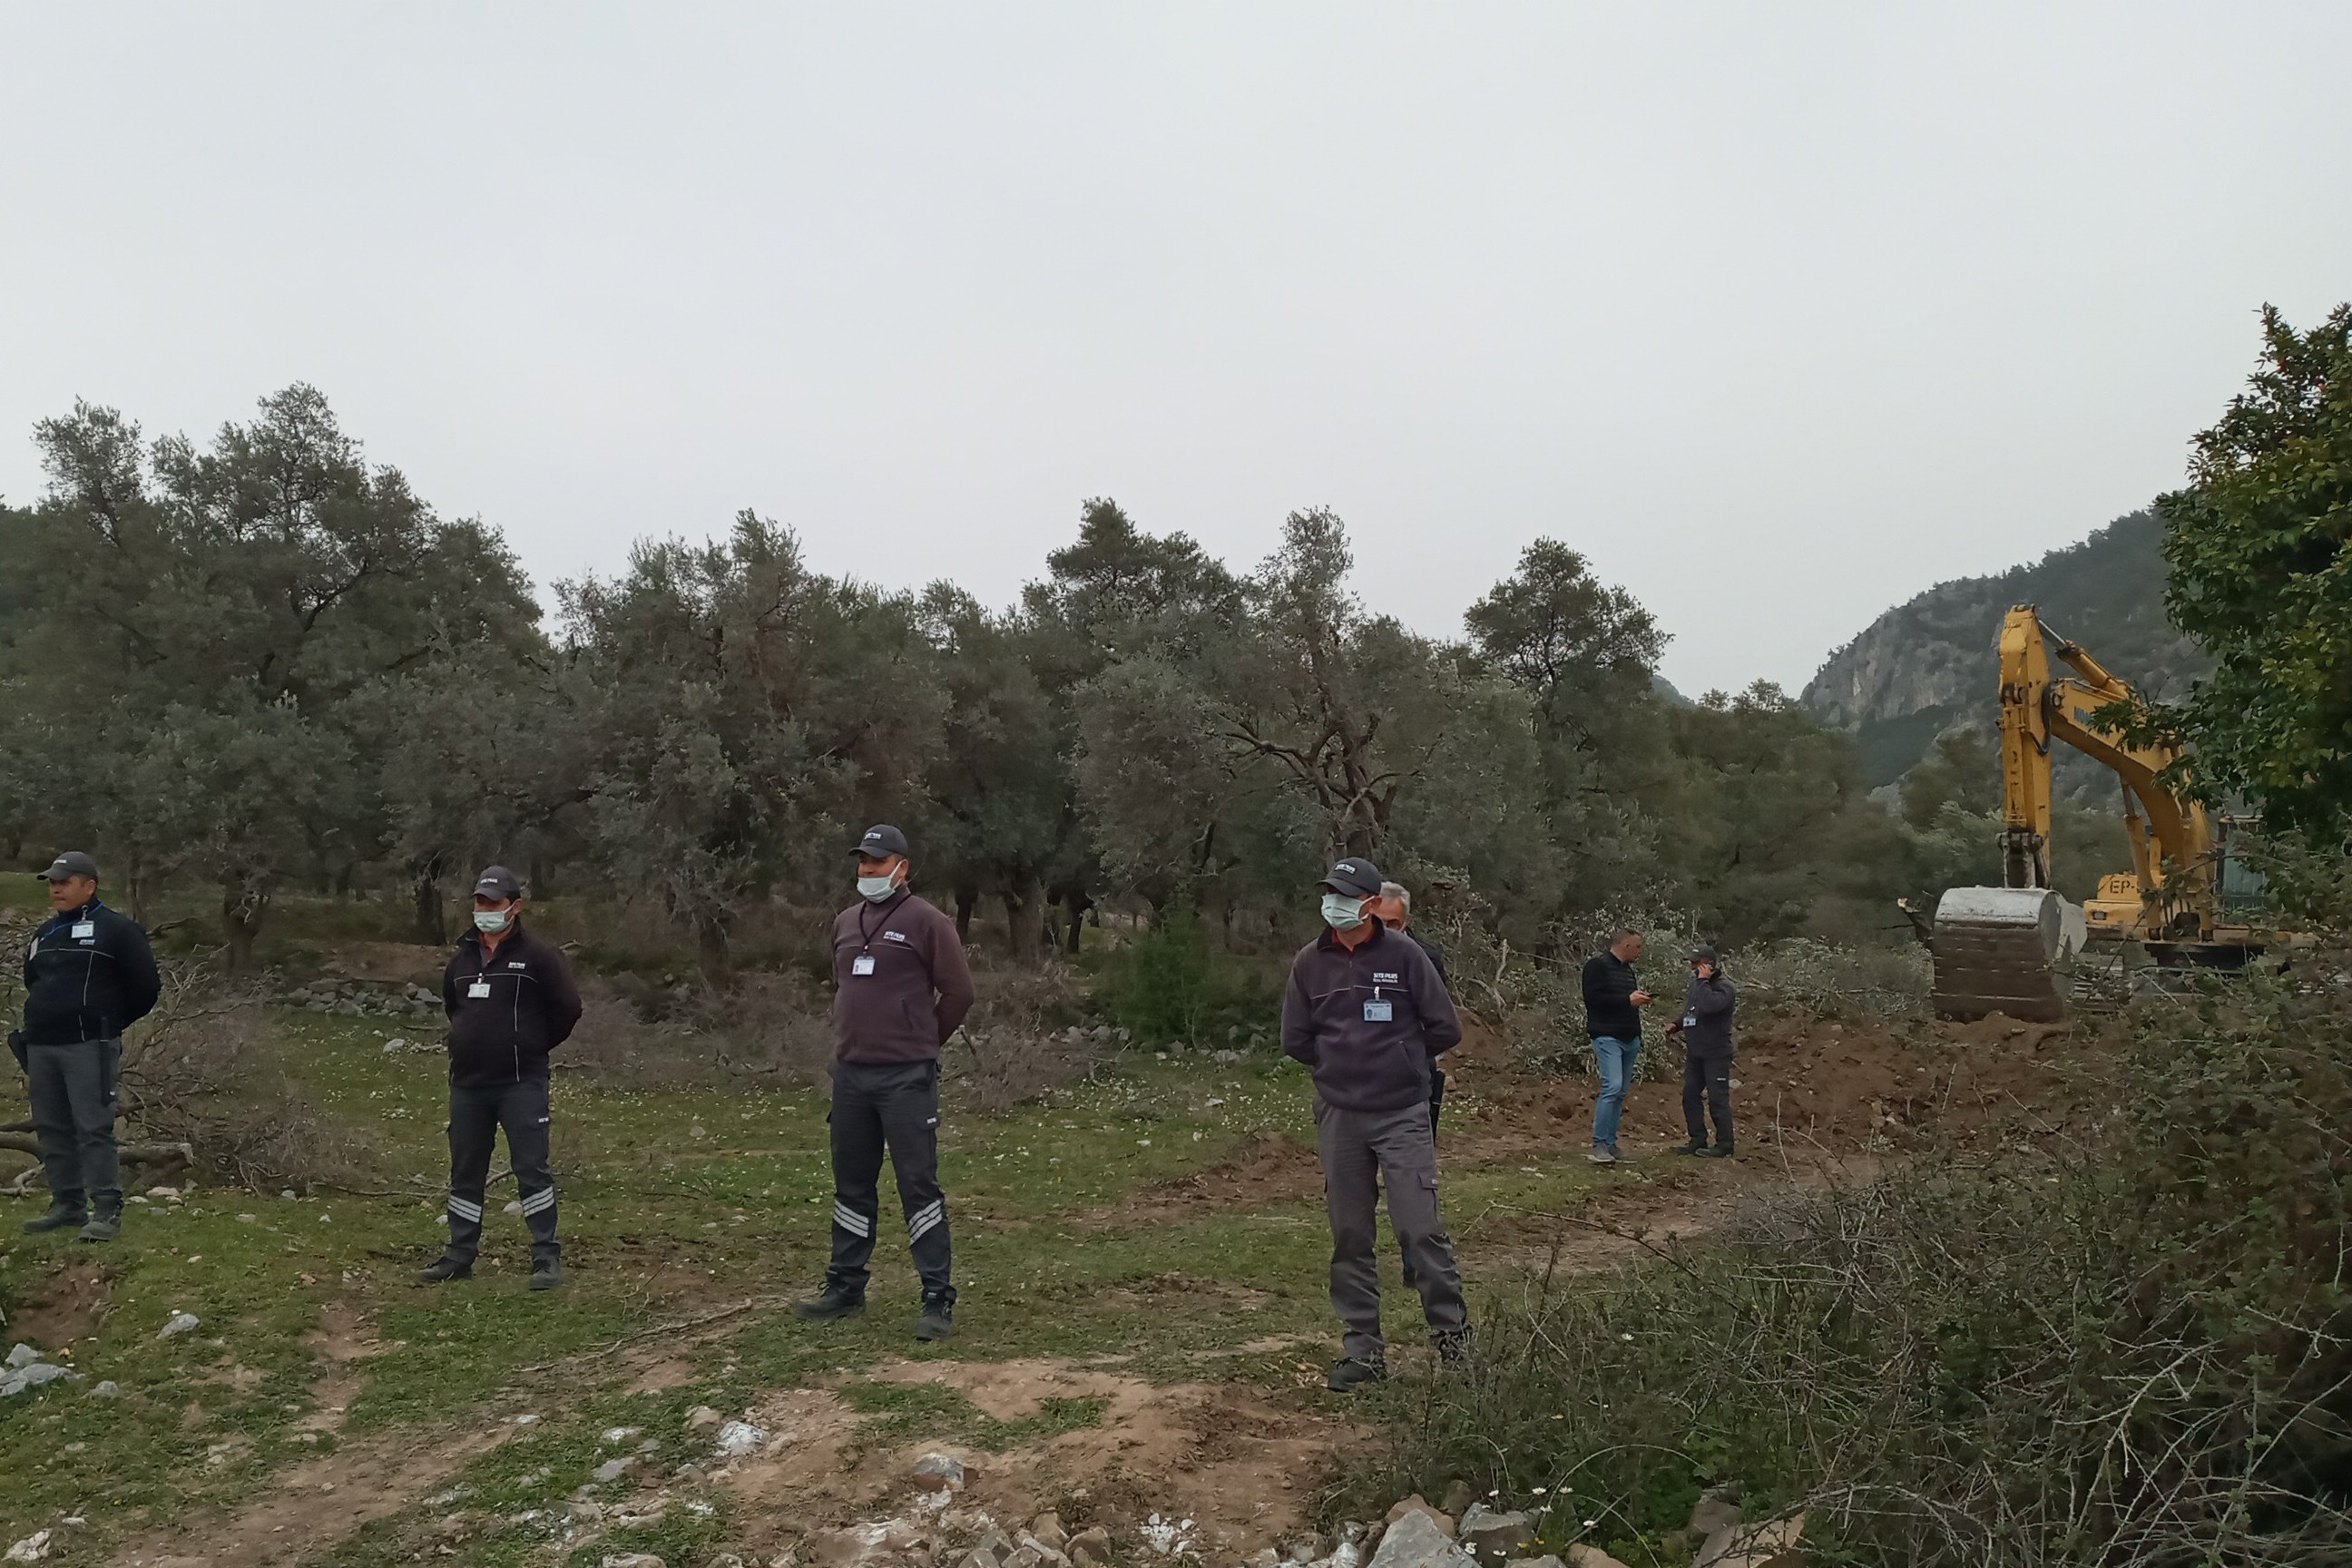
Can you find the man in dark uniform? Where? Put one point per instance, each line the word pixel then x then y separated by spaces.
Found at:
pixel 1707 1050
pixel 88 975
pixel 1364 1010
pixel 901 988
pixel 510 1001
pixel 1395 910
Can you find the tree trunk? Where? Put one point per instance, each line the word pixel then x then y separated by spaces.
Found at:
pixel 718 966
pixel 1078 903
pixel 242 906
pixel 425 887
pixel 1021 923
pixel 967 900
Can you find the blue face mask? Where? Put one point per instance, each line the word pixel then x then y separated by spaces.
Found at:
pixel 874 889
pixel 493 921
pixel 1341 913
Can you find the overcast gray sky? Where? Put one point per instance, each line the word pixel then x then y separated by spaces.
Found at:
pixel 1779 312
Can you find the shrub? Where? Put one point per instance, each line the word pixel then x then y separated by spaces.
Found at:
pixel 2135 1351
pixel 1168 986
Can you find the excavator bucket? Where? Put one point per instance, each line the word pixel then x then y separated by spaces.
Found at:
pixel 2004 950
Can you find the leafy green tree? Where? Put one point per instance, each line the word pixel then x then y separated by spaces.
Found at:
pixel 2259 544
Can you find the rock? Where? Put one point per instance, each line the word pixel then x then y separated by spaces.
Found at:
pixel 1048 1531
pixel 738 1438
pixel 391 1046
pixel 107 1390
pixel 855 1547
pixel 610 1471
pixel 181 1323
pixel 1542 1562
pixel 1264 1557
pixel 939 1473
pixel 980 1557
pixel 1775 1543
pixel 702 1418
pixel 725 1560
pixel 1091 1547
pixel 613 1437
pixel 1494 1537
pixel 1414 1504
pixel 1717 1508
pixel 34 1548
pixel 632 1560
pixel 1459 1495
pixel 22 1355
pixel 514 1206
pixel 1590 1557
pixel 1414 1539
pixel 1307 1549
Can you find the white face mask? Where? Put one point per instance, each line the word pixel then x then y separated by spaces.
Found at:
pixel 1341 913
pixel 493 921
pixel 874 889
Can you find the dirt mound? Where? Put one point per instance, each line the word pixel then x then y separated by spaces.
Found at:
pixel 1241 1465
pixel 64 1305
pixel 1265 1167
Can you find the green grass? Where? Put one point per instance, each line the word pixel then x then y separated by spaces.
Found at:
pixel 726 1191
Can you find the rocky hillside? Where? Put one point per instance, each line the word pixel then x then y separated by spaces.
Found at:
pixel 1928 664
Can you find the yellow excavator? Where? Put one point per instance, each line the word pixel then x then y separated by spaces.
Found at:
pixel 2010 948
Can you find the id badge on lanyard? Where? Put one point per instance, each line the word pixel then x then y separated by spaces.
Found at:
pixel 862 964
pixel 85 930
pixel 478 989
pixel 1379 1010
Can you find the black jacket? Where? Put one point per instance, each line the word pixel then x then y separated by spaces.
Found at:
pixel 88 975
pixel 1706 1024
pixel 1368 1063
pixel 507 1010
pixel 1609 986
pixel 1437 959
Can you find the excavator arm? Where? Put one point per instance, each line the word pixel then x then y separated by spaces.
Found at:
pixel 1996 947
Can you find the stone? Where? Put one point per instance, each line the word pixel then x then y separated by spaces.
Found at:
pixel 1091 1547
pixel 1775 1543
pixel 181 1323
pixel 1414 1539
pixel 1048 1532
pixel 702 1418
pixel 1590 1557
pixel 609 1471
pixel 1414 1504
pixel 1025 1557
pixel 1265 1557
pixel 980 1557
pixel 738 1439
pixel 1493 1536
pixel 1307 1549
pixel 1543 1561
pixel 110 1389
pixel 1459 1495
pixel 22 1355
pixel 1717 1508
pixel 939 1473
pixel 725 1560
pixel 856 1546
pixel 632 1560
pixel 34 1548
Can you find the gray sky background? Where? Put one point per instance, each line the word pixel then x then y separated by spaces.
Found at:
pixel 1780 313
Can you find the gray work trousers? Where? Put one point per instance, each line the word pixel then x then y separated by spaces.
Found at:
pixel 476 1116
pixel 1364 1150
pixel 893 1108
pixel 72 1091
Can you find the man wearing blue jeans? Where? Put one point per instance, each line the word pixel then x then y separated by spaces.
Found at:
pixel 1613 999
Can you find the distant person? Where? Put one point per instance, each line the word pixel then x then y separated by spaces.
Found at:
pixel 88 975
pixel 1365 1010
pixel 902 987
pixel 1705 1030
pixel 1613 999
pixel 510 1001
pixel 1394 909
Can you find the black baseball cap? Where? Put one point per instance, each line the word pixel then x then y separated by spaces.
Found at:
pixel 497 883
pixel 1704 955
pixel 1354 875
pixel 71 864
pixel 883 840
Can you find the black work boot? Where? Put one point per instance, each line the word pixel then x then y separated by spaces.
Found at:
pixel 104 1224
pixel 1720 1151
pixel 546 1273
pixel 1690 1149
pixel 938 1320
pixel 1454 1349
pixel 836 1300
pixel 444 1269
pixel 59 1216
pixel 1349 1374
